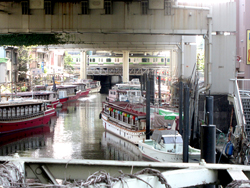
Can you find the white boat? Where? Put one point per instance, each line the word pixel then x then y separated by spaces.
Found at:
pixel 128 119
pixel 167 146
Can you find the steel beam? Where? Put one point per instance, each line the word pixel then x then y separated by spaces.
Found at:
pixel 192 174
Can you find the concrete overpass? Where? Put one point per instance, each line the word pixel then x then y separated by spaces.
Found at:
pixel 152 25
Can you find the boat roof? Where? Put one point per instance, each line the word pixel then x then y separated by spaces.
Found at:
pixel 65 86
pixel 127 107
pixel 19 103
pixel 29 93
pixel 157 134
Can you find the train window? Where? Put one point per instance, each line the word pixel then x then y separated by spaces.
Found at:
pixel 162 59
pixel 108 7
pixel 145 60
pixel 85 7
pixel 129 60
pixel 47 7
pixel 108 60
pixel 90 60
pixel 154 59
pixel 144 7
pixel 25 7
pixel 93 59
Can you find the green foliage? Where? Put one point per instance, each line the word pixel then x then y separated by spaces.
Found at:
pixel 45 70
pixel 200 61
pixel 68 61
pixel 23 60
pixel 24 88
pixel 30 39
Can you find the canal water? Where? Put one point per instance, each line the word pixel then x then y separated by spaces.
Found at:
pixel 76 132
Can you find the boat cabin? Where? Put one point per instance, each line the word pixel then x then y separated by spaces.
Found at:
pixel 125 115
pixel 64 91
pixel 167 140
pixel 19 109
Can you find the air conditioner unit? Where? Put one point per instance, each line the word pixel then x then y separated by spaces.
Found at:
pixel 36 4
pixel 96 4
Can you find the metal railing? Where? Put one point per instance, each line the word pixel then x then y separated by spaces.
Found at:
pixel 238 93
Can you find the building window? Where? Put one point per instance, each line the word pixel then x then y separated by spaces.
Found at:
pixel 108 7
pixel 25 7
pixel 85 7
pixel 144 7
pixel 168 6
pixel 47 7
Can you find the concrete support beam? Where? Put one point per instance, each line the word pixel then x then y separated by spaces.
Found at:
pixel 125 66
pixel 83 65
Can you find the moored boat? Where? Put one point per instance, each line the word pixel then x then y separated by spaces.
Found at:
pixel 65 93
pixel 82 90
pixel 92 85
pixel 128 120
pixel 23 114
pixel 167 146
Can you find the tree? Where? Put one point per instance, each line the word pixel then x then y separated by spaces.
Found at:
pixel 68 63
pixel 23 61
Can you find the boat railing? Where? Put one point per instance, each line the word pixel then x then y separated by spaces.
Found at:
pixel 241 90
pixel 21 117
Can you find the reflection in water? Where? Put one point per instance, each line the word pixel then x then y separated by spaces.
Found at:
pixel 76 132
pixel 119 149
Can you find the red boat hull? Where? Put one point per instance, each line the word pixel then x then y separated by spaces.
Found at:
pixel 63 100
pixel 84 93
pixel 21 124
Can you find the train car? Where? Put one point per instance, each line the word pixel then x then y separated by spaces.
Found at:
pixel 102 60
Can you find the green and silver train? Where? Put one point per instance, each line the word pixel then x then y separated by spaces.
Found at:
pixel 102 60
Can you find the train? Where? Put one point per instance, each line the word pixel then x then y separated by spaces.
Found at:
pixel 103 60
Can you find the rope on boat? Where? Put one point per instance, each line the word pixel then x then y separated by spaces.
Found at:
pixel 238 183
pixel 11 176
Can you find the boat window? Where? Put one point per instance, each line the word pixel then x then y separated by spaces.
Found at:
pixel 171 140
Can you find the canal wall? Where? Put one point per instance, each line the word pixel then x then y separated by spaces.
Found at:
pixel 222 112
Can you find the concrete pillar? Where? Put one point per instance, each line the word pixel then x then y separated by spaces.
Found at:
pixel 83 65
pixel 125 66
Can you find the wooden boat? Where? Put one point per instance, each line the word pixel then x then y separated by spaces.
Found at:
pixel 49 96
pixel 23 114
pixel 65 93
pixel 167 146
pixel 128 119
pixel 82 90
pixel 93 85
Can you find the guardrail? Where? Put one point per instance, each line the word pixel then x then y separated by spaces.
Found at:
pixel 239 92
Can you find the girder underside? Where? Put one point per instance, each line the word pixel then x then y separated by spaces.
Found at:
pixel 192 174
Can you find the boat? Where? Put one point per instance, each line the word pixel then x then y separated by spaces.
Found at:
pixel 128 119
pixel 167 146
pixel 93 85
pixel 66 93
pixel 123 91
pixel 49 97
pixel 81 87
pixel 21 114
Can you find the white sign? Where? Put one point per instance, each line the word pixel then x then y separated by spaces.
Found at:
pixel 36 71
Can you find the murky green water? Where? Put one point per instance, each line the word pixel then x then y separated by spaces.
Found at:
pixel 76 132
